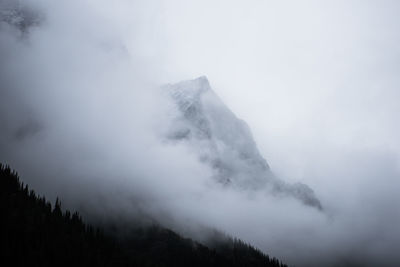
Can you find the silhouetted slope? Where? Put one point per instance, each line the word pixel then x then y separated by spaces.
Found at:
pixel 33 233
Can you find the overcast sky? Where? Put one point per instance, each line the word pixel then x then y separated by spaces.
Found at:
pixel 317 81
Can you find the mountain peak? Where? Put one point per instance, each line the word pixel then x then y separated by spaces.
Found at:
pixel 200 82
pixel 187 94
pixel 223 141
pixel 190 90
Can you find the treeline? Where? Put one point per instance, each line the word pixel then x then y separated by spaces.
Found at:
pixel 33 232
pixel 36 233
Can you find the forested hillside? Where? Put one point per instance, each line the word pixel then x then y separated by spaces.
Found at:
pixel 36 233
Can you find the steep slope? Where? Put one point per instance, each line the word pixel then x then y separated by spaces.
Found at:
pixel 224 142
pixel 33 233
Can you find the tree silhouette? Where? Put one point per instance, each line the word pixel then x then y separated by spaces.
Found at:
pixel 33 233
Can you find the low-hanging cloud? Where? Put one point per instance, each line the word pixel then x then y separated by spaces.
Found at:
pixel 81 115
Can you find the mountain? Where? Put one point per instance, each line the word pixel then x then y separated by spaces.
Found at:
pixel 224 142
pixel 35 233
pixel 19 15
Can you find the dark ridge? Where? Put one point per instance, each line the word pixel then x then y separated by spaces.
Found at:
pixel 35 233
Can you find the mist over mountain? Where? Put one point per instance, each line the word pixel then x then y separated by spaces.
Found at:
pixel 18 14
pixel 309 173
pixel 224 142
pixel 35 233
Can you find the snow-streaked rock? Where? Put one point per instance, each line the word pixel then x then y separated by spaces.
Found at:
pixel 224 142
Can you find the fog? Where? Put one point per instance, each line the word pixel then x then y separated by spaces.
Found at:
pixel 82 116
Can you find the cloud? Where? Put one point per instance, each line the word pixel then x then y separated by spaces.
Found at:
pixel 317 83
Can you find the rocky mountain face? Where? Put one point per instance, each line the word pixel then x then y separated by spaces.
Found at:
pixel 224 142
pixel 18 15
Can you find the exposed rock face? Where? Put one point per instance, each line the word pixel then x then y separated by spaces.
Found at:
pixel 15 14
pixel 224 142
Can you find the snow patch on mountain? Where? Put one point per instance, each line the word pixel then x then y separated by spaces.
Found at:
pixel 224 142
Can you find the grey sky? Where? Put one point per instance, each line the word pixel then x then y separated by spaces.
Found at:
pixel 317 81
